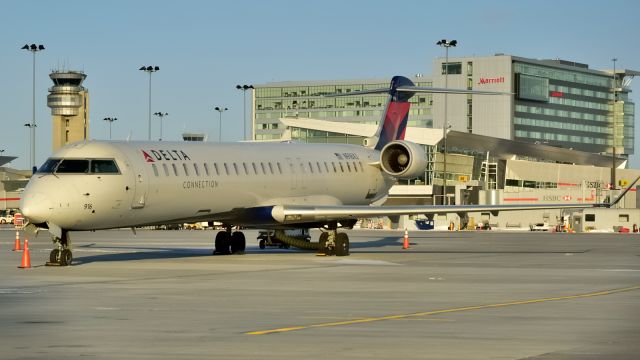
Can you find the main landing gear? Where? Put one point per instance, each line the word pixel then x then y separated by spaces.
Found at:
pixel 333 242
pixel 230 242
pixel 61 255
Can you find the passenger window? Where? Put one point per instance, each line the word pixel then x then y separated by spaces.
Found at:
pixel 348 166
pixel 355 166
pixel 310 167
pixel 326 167
pixel 195 167
pixel 155 170
pixel 335 169
pixel 302 168
pixel 206 169
pixel 104 167
pixel 244 166
pixel 279 167
pixel 226 169
pixel 361 168
pixel 186 170
pixel 73 166
pixel 319 168
pixel 166 169
pixel 215 167
pixel 264 171
pixel 175 169
pixel 235 167
pixel 255 169
pixel 271 168
pixel 341 167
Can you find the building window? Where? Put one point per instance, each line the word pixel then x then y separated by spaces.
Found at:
pixel 454 68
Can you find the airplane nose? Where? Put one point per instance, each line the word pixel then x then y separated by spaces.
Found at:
pixel 36 207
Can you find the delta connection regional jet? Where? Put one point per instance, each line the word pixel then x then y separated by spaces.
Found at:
pixel 98 185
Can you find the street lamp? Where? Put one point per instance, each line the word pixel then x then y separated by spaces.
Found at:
pixel 446 45
pixel 613 124
pixel 32 128
pixel 160 115
pixel 150 69
pixel 220 110
pixel 244 89
pixel 34 49
pixel 110 120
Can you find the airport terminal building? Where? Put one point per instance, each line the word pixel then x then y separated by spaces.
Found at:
pixel 552 141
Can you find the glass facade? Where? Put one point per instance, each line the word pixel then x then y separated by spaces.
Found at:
pixel 572 108
pixel 307 101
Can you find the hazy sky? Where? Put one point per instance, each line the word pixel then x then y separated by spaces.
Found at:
pixel 205 48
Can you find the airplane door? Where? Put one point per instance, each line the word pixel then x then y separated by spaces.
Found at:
pixel 140 190
pixel 293 174
pixel 373 186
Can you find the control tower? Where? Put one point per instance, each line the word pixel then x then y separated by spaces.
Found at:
pixel 69 103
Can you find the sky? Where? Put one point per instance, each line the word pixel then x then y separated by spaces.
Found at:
pixel 205 48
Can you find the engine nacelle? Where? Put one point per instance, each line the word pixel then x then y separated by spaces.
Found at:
pixel 403 159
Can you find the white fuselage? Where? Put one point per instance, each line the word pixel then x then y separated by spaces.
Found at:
pixel 160 182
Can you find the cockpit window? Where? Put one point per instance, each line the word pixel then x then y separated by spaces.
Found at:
pixel 73 166
pixel 48 166
pixel 103 167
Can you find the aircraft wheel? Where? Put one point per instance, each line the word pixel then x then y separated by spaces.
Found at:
pixel 222 243
pixel 262 244
pixel 342 244
pixel 66 257
pixel 238 243
pixel 54 256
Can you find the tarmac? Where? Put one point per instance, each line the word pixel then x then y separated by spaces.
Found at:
pixel 451 295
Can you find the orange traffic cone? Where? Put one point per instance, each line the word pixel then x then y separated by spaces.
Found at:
pixel 405 244
pixel 26 259
pixel 16 246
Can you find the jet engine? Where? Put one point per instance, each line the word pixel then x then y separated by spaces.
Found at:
pixel 403 159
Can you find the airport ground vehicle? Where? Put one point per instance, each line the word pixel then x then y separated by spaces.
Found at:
pixel 6 219
pixel 270 239
pixel 539 227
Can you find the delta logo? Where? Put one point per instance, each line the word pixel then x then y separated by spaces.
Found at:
pixel 496 80
pixel 159 155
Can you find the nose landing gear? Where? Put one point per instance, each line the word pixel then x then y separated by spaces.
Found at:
pixel 61 255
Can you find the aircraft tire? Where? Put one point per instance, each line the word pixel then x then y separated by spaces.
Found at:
pixel 262 244
pixel 66 256
pixel 222 243
pixel 238 243
pixel 342 244
pixel 323 243
pixel 54 256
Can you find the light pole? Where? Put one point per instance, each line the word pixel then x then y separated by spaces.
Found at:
pixel 220 110
pixel 160 115
pixel 613 125
pixel 34 49
pixel 446 45
pixel 33 148
pixel 110 120
pixel 244 89
pixel 150 69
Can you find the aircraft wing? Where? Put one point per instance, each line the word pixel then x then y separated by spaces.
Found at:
pixel 286 214
pixel 307 214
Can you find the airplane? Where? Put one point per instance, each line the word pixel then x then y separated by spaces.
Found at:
pixel 96 185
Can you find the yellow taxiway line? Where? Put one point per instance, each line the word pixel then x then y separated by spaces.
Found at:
pixel 442 311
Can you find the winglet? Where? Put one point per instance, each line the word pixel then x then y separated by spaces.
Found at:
pixel 622 194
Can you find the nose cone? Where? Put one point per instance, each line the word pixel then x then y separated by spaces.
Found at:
pixel 36 207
